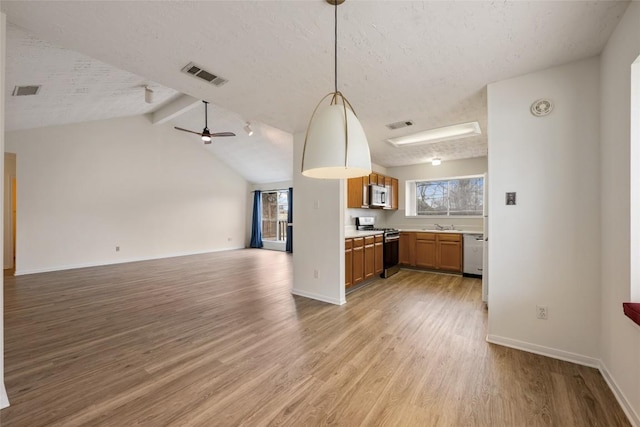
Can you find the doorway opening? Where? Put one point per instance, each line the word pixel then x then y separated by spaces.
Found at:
pixel 275 208
pixel 10 213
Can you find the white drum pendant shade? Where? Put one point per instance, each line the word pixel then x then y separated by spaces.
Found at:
pixel 325 145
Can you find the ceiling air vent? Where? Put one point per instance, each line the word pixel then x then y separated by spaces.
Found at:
pixel 25 90
pixel 398 125
pixel 209 77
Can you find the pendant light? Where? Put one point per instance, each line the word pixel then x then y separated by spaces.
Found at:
pixel 335 146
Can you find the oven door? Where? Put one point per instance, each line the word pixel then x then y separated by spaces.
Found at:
pixel 391 254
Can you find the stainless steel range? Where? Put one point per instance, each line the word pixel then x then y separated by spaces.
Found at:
pixel 391 244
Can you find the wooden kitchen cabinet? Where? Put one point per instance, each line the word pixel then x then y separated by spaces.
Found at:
pixel 348 263
pixel 363 259
pixel 434 251
pixel 369 257
pixel 449 251
pixel 358 260
pixel 394 194
pixel 379 256
pixel 426 248
pixel 407 248
pixel 358 190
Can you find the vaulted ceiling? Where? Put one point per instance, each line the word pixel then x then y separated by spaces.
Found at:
pixel 426 61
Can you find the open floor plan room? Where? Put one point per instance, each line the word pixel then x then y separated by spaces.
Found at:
pixel 218 339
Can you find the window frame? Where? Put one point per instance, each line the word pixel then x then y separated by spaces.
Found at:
pixel 278 192
pixel 410 196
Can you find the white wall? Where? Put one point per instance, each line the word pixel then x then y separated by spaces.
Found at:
pixel 318 234
pixel 546 249
pixel 4 401
pixel 620 338
pixel 84 189
pixel 447 169
pixel 282 185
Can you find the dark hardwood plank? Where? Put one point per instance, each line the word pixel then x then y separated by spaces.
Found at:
pixel 218 339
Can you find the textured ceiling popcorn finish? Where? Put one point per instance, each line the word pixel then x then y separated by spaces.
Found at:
pixel 425 60
pixel 75 88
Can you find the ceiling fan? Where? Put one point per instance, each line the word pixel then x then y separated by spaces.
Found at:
pixel 205 134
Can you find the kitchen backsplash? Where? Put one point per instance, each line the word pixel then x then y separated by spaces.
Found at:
pixel 397 219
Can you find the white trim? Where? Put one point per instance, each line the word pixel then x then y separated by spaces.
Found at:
pixel 4 399
pixel 579 359
pixel 123 261
pixel 545 351
pixel 631 414
pixel 318 297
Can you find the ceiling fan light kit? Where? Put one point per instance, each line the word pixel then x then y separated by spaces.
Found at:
pixel 335 145
pixel 206 135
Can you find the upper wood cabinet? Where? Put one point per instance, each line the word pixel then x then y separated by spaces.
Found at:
pixel 358 190
pixel 394 193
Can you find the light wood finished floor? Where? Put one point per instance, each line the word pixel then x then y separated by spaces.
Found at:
pixel 218 340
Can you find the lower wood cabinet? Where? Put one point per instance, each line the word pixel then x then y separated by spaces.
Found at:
pixel 407 250
pixel 435 251
pixel 379 255
pixel 426 248
pixel 358 260
pixel 450 252
pixel 348 263
pixel 363 259
pixel 369 257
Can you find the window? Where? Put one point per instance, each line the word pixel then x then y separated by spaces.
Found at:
pixel 460 196
pixel 275 208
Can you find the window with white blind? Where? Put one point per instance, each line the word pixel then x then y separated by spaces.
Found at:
pixel 459 196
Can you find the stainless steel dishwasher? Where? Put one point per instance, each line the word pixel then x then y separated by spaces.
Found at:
pixel 472 255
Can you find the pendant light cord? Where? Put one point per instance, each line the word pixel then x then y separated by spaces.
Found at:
pixel 335 47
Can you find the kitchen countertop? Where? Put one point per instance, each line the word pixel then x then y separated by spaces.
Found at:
pixel 350 234
pixel 422 230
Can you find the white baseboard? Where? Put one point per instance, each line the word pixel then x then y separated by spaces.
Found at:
pixel 119 261
pixel 632 415
pixel 4 399
pixel 579 359
pixel 545 351
pixel 318 297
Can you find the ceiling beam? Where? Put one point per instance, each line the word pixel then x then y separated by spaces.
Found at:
pixel 174 109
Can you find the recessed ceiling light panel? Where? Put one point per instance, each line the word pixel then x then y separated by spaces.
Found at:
pixel 446 133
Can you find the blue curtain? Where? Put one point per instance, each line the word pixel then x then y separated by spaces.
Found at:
pixel 256 229
pixel 290 222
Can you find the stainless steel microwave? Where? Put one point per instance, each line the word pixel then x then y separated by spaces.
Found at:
pixel 378 195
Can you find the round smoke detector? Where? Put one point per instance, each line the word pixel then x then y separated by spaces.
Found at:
pixel 541 107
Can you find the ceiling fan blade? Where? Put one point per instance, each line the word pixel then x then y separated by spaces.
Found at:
pixel 187 130
pixel 217 134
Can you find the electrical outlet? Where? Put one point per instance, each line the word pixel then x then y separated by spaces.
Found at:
pixel 542 311
pixel 117 248
pixel 315 274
